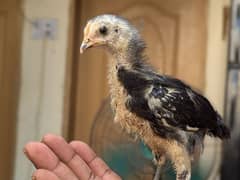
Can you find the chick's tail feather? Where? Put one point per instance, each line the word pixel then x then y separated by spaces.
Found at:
pixel 221 130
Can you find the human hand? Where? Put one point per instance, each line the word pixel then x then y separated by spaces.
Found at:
pixel 55 159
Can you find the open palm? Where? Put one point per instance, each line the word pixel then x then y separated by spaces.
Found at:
pixel 55 159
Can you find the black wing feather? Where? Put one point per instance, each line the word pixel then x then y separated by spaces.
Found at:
pixel 168 102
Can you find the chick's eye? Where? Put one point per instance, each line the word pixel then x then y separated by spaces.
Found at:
pixel 103 30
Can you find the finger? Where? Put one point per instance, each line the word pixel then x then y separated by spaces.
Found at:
pixel 43 174
pixel 43 158
pixel 98 166
pixel 66 154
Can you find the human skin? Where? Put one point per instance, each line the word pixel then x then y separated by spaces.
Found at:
pixel 55 159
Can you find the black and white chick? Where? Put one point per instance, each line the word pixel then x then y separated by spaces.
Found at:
pixel 171 118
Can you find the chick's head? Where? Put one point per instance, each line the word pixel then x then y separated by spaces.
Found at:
pixel 110 31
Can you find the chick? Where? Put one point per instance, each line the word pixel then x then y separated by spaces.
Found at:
pixel 166 114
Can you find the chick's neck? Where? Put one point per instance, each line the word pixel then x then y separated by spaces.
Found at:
pixel 130 53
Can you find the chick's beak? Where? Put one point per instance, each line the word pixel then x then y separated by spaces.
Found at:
pixel 85 45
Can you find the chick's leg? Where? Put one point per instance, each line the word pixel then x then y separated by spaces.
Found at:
pixel 159 160
pixel 157 175
pixel 181 160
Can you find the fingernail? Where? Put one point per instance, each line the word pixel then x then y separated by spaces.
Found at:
pixel 25 152
pixel 34 178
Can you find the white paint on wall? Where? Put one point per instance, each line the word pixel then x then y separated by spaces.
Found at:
pixel 42 79
pixel 216 61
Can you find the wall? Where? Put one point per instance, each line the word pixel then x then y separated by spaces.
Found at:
pixel 216 55
pixel 42 78
pixel 216 62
